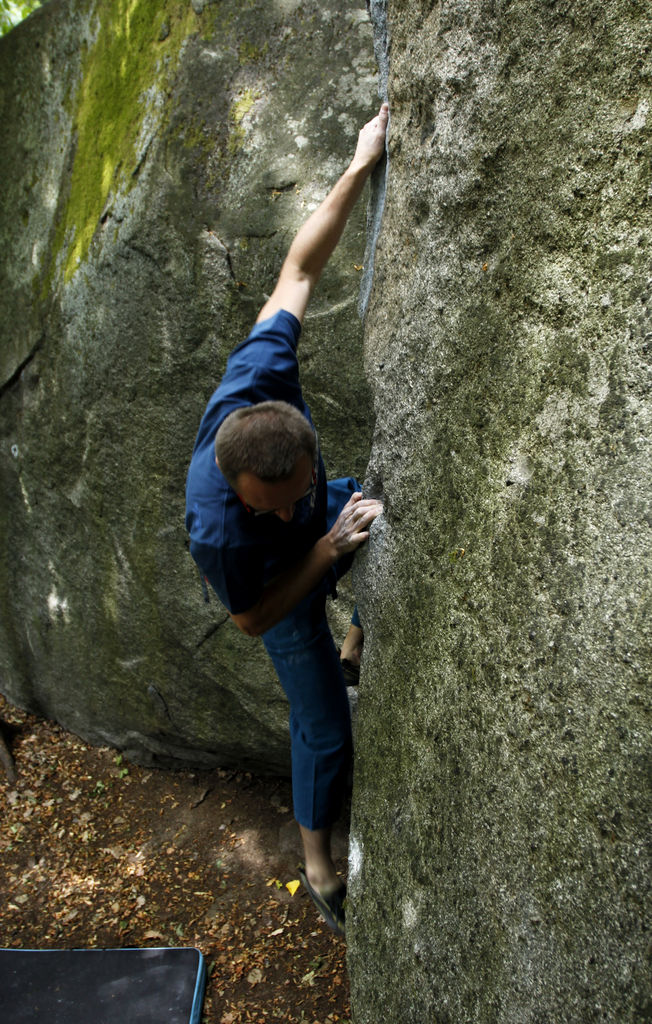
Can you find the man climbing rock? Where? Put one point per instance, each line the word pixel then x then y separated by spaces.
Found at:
pixel 272 536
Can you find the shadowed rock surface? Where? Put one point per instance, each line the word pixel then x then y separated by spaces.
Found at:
pixel 498 866
pixel 156 162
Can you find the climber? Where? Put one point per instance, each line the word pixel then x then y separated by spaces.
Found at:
pixel 272 537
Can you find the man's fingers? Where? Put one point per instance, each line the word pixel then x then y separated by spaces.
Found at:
pixel 371 509
pixel 357 501
pixel 351 526
pixel 360 507
pixel 371 140
pixel 355 517
pixel 380 122
pixel 363 516
pixel 358 538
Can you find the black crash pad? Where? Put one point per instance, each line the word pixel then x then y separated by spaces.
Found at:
pixel 101 986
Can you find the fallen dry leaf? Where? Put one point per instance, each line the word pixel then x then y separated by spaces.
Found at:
pixel 127 863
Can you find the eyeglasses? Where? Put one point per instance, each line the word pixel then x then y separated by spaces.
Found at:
pixel 310 493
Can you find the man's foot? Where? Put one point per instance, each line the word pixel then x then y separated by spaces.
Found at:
pixel 320 877
pixel 331 906
pixel 352 644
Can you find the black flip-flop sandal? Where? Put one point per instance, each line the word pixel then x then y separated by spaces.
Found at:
pixel 331 907
pixel 350 671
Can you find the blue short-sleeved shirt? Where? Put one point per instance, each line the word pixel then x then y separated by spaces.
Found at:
pixel 237 552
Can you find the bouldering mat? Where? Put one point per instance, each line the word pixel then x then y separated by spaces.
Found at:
pixel 102 986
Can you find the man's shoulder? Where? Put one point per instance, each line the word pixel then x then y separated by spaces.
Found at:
pixel 262 368
pixel 269 341
pixel 282 325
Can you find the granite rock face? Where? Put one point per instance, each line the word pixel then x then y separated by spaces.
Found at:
pixel 156 160
pixel 499 870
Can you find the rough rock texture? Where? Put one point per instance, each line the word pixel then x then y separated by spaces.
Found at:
pixel 156 159
pixel 498 868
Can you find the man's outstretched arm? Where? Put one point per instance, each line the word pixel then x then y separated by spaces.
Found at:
pixel 313 245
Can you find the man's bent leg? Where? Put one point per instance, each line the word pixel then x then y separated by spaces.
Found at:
pixel 306 661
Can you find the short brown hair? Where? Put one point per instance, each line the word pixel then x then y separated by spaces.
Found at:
pixel 265 439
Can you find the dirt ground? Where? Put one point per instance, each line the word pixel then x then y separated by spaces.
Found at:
pixel 98 853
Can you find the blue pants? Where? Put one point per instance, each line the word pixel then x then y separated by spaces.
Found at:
pixel 308 666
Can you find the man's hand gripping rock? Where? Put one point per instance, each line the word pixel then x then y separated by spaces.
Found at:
pixel 350 528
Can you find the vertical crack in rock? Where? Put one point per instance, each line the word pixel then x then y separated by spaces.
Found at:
pixel 158 701
pixel 378 14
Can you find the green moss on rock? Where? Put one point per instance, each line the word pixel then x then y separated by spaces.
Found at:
pixel 137 42
pixel 250 53
pixel 240 107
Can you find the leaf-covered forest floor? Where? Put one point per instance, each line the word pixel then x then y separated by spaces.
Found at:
pixel 98 853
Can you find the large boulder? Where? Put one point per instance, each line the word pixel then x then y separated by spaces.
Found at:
pixel 156 162
pixel 498 868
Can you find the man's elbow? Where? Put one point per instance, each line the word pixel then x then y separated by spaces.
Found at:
pixel 248 623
